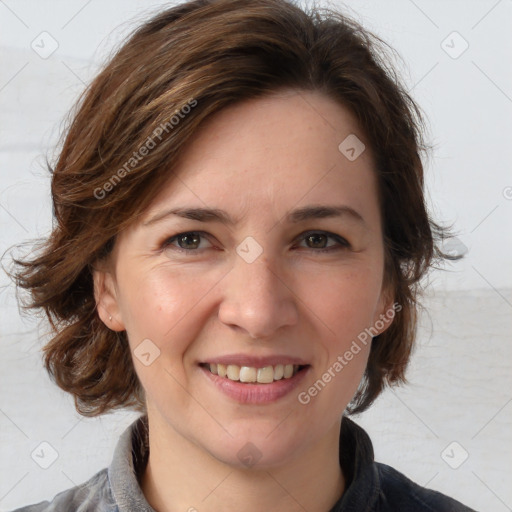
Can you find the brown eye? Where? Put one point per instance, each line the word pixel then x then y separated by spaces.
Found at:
pixel 185 242
pixel 189 240
pixel 317 240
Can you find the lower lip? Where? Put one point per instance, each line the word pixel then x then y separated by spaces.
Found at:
pixel 247 393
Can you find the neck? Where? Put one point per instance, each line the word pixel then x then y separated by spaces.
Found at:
pixel 181 476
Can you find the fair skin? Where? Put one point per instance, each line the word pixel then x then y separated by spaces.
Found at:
pixel 258 161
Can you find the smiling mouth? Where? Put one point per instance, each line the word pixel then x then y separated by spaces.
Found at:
pixel 250 374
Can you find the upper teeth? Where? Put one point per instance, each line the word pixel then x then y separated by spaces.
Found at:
pixel 264 375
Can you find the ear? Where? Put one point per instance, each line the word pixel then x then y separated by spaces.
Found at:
pixel 385 311
pixel 106 299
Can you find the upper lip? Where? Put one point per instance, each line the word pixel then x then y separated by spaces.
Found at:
pixel 255 361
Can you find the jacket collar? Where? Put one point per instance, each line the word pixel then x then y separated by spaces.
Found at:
pixel 124 473
pixel 356 457
pixel 362 485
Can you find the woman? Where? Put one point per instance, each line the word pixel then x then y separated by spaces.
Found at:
pixel 240 234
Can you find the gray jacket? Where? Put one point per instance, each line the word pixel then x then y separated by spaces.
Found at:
pixel 370 486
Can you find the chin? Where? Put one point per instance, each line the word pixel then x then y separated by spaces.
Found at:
pixel 266 447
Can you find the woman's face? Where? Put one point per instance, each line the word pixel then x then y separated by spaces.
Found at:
pixel 286 284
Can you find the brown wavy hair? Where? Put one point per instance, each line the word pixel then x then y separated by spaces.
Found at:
pixel 175 70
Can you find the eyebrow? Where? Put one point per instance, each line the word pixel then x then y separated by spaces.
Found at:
pixel 294 217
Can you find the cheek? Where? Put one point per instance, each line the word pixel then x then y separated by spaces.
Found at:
pixel 163 305
pixel 346 301
pixel 157 302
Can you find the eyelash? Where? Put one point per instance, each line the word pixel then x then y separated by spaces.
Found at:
pixel 342 243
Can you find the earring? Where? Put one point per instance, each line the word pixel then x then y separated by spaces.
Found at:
pixel 110 318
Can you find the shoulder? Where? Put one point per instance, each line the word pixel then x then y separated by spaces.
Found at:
pixel 93 495
pixel 397 492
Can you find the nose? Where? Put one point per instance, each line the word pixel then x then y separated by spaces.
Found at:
pixel 257 300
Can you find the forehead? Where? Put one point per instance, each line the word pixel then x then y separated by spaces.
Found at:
pixel 270 154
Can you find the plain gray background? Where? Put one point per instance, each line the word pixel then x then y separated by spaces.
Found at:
pixel 450 429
